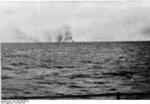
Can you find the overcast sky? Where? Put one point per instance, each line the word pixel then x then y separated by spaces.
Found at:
pixel 86 21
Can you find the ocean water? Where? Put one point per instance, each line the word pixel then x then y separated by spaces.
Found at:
pixel 52 69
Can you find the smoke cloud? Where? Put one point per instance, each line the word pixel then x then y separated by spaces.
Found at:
pixel 63 34
pixel 74 21
pixel 22 36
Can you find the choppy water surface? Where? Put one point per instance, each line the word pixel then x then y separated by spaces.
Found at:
pixel 48 69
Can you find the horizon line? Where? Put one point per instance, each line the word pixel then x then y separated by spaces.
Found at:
pixel 85 41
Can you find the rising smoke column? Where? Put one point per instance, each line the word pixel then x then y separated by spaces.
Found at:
pixel 58 36
pixel 64 34
pixel 68 35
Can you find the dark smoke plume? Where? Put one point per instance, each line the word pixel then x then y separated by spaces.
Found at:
pixel 65 35
pixel 68 36
pixel 59 38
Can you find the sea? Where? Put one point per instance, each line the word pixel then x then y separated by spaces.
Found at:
pixel 49 70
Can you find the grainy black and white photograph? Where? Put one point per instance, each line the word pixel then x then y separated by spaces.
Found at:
pixel 75 50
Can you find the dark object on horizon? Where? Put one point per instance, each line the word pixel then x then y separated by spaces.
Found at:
pixel 118 95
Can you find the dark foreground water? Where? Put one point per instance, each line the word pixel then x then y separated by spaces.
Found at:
pixel 59 69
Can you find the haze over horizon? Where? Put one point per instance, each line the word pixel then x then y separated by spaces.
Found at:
pixel 74 21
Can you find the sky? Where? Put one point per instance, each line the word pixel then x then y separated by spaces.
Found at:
pixel 74 21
